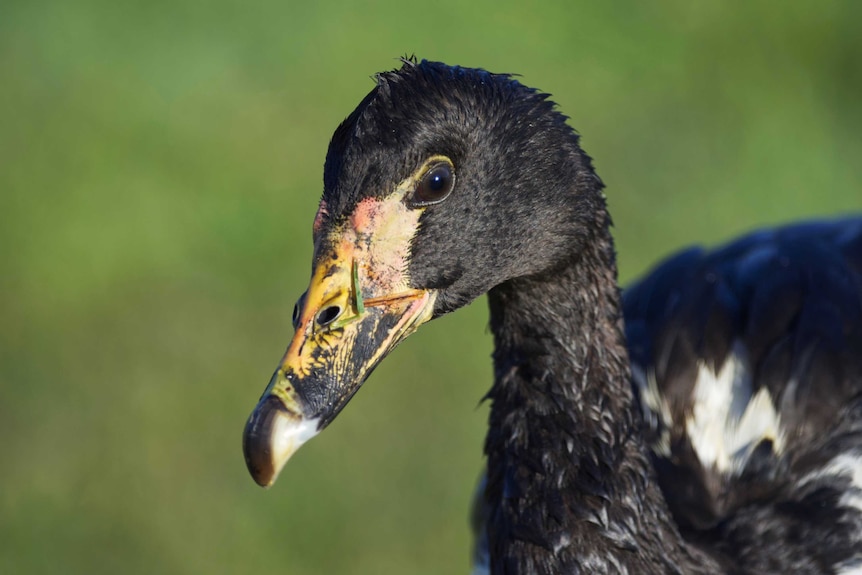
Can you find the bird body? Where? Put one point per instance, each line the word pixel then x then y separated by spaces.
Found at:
pixel 746 367
pixel 748 363
pixel 728 443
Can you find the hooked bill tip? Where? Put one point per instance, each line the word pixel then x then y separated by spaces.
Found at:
pixel 272 434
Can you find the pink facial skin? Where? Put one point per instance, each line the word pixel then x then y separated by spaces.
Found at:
pixel 321 215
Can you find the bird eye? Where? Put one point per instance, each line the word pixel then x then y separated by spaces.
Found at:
pixel 296 309
pixel 435 185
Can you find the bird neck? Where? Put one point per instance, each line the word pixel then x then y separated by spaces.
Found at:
pixel 569 480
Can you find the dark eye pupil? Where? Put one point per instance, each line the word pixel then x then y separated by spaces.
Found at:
pixel 438 181
pixel 435 185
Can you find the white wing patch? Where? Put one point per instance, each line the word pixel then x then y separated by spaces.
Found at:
pixel 654 407
pixel 727 422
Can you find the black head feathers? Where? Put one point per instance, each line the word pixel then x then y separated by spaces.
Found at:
pixel 517 161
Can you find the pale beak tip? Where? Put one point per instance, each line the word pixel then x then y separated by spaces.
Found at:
pixel 272 434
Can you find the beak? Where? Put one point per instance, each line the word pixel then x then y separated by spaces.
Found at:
pixel 358 307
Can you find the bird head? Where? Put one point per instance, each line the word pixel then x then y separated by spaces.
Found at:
pixel 443 183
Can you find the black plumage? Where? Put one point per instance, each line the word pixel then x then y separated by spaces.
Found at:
pixel 588 473
pixel 786 306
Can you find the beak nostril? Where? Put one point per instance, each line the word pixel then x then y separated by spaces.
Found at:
pixel 328 315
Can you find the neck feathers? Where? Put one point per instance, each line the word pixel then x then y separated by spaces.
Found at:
pixel 569 487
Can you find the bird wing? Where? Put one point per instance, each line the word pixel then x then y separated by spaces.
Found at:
pixel 747 363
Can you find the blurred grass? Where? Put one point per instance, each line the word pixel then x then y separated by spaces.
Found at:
pixel 159 168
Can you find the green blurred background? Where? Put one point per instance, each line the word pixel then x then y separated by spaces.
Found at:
pixel 160 165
